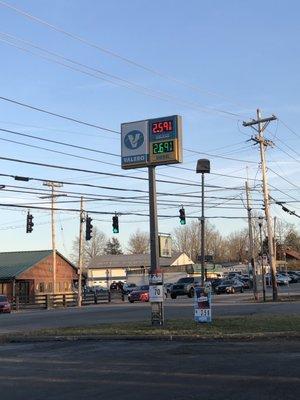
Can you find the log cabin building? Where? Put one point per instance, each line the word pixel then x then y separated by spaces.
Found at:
pixel 26 273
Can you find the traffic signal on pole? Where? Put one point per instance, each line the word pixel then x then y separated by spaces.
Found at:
pixel 29 223
pixel 182 216
pixel 88 228
pixel 115 224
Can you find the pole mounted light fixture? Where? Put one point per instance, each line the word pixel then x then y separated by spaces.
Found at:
pixel 203 167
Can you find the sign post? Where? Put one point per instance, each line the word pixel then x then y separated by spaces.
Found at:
pixel 149 143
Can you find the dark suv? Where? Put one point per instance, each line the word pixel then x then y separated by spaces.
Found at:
pixel 184 287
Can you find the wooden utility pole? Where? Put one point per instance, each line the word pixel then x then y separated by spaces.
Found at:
pixel 53 196
pixel 251 244
pixel 262 123
pixel 80 256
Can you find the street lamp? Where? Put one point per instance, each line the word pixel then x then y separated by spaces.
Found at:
pixel 203 167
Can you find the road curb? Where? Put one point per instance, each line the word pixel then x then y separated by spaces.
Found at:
pixel 167 338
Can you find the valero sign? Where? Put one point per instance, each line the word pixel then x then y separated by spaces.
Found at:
pixel 155 141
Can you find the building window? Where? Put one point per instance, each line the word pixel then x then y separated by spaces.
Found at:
pixel 41 287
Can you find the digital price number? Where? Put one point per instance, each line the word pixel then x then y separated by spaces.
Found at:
pixel 162 126
pixel 163 147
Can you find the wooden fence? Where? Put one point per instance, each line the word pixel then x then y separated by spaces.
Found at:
pixel 47 301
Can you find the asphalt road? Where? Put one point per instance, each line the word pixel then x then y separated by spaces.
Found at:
pixel 107 313
pixel 150 370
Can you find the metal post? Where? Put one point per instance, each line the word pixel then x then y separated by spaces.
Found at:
pixel 202 231
pixel 80 258
pixel 157 311
pixel 251 246
pixel 262 262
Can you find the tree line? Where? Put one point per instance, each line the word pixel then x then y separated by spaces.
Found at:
pixel 187 239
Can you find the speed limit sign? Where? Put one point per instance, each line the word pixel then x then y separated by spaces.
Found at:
pixel 156 293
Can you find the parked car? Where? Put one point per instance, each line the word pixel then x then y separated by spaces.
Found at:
pixel 230 286
pixel 294 277
pixel 139 294
pixel 168 287
pixel 5 306
pixel 184 287
pixel 129 287
pixel 280 279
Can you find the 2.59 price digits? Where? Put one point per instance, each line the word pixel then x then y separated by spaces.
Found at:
pixel 159 127
pixel 163 147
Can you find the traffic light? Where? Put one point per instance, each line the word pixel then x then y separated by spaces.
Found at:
pixel 88 228
pixel 29 223
pixel 182 216
pixel 115 224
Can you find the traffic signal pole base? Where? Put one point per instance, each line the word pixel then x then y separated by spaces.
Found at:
pixel 157 314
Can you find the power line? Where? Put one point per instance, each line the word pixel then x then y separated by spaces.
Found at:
pixel 223 157
pixel 286 180
pixel 55 166
pixel 114 54
pixel 59 142
pixel 58 115
pixel 85 148
pixel 290 129
pixel 128 84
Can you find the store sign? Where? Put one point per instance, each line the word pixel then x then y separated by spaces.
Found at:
pixel 202 304
pixel 165 246
pixel 134 144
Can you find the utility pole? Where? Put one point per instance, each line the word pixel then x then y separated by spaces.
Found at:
pixel 53 196
pixel 80 256
pixel 259 125
pixel 251 244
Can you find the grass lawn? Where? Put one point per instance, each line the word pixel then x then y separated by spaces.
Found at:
pixel 220 327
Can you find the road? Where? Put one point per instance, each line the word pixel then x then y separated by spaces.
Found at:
pixel 182 307
pixel 150 370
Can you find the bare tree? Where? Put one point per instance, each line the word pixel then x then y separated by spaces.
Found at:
pixel 237 245
pixel 92 248
pixel 139 243
pixel 187 239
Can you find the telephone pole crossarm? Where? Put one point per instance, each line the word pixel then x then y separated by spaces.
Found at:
pixel 260 121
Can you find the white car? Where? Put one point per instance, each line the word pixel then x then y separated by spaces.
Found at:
pixel 280 279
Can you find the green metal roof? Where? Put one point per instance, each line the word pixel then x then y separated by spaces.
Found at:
pixel 14 263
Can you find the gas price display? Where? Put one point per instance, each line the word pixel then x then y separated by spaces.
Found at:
pixel 165 140
pixel 163 147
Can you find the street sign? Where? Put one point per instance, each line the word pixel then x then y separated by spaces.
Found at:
pixel 165 140
pixel 134 144
pixel 156 293
pixel 156 279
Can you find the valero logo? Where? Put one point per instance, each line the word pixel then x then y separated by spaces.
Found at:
pixel 134 139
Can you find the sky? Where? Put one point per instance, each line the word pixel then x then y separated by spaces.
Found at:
pixel 108 62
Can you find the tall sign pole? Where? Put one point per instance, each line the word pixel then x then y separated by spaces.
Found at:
pixel 149 143
pixel 155 277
